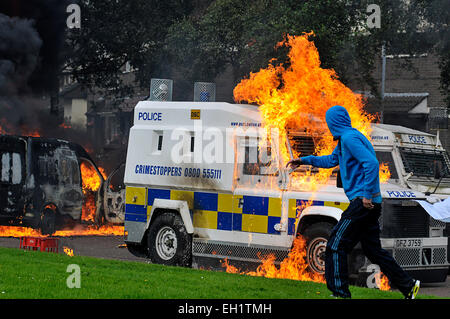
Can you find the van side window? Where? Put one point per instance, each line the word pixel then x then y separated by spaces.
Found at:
pixel 65 170
pixel 75 173
pixel 192 143
pixel 16 169
pixel 11 169
pixel 160 140
pixel 70 173
pixel 5 167
pixel 253 164
pixel 386 158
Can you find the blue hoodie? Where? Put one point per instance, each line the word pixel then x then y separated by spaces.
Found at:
pixel 355 156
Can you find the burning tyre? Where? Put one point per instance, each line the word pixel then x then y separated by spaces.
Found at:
pixel 168 241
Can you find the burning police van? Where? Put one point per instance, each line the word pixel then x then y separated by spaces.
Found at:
pixel 204 183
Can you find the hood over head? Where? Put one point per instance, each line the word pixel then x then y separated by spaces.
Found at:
pixel 338 120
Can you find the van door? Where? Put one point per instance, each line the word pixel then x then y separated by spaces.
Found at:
pixel 257 199
pixel 12 177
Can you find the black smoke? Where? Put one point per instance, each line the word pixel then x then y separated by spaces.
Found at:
pixel 19 53
pixel 49 22
pixel 32 37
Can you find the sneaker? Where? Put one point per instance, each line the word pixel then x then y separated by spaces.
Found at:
pixel 414 290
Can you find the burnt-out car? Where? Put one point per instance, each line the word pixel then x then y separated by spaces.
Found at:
pixel 40 182
pixel 111 203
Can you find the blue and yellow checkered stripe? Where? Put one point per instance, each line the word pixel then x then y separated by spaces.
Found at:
pixel 221 211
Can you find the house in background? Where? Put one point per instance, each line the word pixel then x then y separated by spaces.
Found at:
pixel 413 98
pixel 73 103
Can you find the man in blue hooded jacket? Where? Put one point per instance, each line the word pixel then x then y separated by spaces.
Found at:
pixel 359 169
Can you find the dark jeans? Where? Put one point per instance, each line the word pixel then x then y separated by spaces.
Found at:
pixel 359 224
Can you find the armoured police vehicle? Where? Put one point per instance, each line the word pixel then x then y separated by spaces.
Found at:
pixel 418 161
pixel 195 196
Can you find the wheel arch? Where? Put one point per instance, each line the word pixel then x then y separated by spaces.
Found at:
pixel 177 206
pixel 317 214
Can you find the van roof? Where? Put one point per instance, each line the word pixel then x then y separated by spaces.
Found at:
pixel 400 129
pixel 218 114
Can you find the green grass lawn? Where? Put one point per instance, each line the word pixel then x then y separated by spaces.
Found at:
pixel 29 274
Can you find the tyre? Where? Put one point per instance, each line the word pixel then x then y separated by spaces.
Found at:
pixel 168 241
pixel 317 236
pixel 47 224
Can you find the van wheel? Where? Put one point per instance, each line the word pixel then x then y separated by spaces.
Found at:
pixel 168 241
pixel 317 236
pixel 48 222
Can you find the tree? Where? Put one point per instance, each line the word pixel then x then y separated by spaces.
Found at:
pixel 437 15
pixel 113 33
pixel 244 35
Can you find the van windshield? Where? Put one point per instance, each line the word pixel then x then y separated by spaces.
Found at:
pixel 425 162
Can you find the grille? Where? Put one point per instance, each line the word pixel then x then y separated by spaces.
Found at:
pixel 438 118
pixel 421 256
pixel 436 223
pixel 161 90
pixel 408 256
pixel 422 162
pixel 204 92
pixel 439 256
pixel 301 145
pixel 248 253
pixel 404 221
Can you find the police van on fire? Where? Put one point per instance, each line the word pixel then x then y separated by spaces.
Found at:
pixel 195 196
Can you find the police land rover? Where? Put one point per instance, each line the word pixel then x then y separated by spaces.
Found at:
pixel 419 162
pixel 195 196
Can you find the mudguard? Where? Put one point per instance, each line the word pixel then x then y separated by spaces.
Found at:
pixel 177 205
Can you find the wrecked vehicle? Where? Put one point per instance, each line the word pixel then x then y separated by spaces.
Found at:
pixel 41 183
pixel 112 195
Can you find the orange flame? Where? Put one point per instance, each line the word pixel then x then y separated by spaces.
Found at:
pixel 385 174
pixel 68 251
pixel 80 230
pixel 382 281
pixel 90 178
pixel 292 267
pixel 297 96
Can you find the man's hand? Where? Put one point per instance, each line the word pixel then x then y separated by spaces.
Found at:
pixel 294 163
pixel 367 203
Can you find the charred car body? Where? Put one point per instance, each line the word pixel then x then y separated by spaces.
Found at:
pixel 41 183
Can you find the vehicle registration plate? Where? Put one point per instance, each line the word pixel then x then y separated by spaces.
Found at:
pixel 408 243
